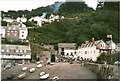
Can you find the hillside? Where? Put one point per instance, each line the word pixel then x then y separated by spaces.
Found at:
pixel 80 24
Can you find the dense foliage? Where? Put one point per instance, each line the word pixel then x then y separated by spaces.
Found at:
pixel 81 23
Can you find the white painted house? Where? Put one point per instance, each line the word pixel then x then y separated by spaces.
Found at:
pixel 2 33
pixel 15 53
pixel 16 32
pixel 7 19
pixel 67 49
pixel 92 50
pixel 21 19
pixel 38 19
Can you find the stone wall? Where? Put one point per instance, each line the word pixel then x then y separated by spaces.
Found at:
pixel 101 70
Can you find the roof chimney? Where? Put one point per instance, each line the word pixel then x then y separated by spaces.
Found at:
pixel 93 40
pixel 87 42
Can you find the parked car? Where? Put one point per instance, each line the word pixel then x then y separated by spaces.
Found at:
pixel 24 68
pixel 42 73
pixel 39 66
pixel 9 65
pixel 32 70
pixel 11 76
pixel 21 76
pixel 44 76
pixel 117 63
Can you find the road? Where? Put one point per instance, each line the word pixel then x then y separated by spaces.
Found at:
pixel 62 70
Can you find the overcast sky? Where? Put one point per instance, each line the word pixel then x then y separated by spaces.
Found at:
pixel 6 5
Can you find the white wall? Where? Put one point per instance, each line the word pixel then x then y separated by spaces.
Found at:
pixel 91 53
pixel 16 57
pixel 23 33
pixel 8 20
pixel 2 32
pixel 69 52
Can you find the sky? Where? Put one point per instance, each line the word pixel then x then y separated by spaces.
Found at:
pixel 16 5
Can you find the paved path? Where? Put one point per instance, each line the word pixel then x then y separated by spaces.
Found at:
pixel 62 70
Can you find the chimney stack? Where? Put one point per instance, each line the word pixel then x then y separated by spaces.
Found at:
pixel 87 42
pixel 93 40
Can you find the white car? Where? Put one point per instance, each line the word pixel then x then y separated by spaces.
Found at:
pixel 117 63
pixel 39 66
pixel 42 73
pixel 32 70
pixel 24 68
pixel 44 76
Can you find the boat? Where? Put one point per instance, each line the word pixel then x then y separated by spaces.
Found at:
pixel 44 76
pixel 24 68
pixel 51 63
pixel 21 76
pixel 39 66
pixel 38 62
pixel 32 70
pixel 42 73
pixel 55 78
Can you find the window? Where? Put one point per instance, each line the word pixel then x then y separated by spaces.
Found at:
pixel 74 52
pixel 22 35
pixel 21 50
pixel 15 34
pixel 23 32
pixel 7 50
pixel 17 51
pixel 85 52
pixel 1 35
pixel 2 50
pixel 25 51
pixel 8 33
pixel 67 53
pixel 14 28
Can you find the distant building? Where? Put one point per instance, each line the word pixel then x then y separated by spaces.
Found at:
pixel 53 18
pixel 15 53
pixel 7 19
pixel 2 33
pixel 21 19
pixel 112 46
pixel 117 50
pixel 49 47
pixel 92 50
pixel 14 32
pixel 67 49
